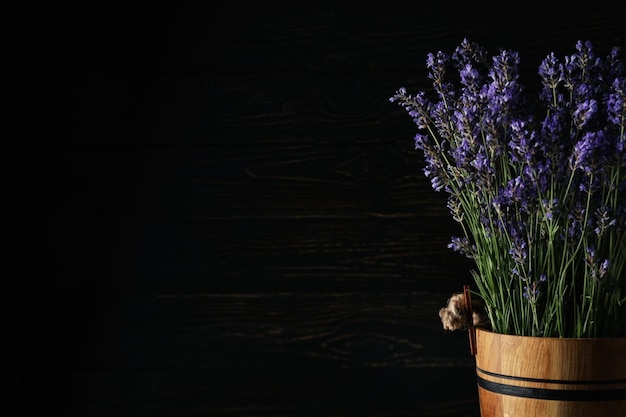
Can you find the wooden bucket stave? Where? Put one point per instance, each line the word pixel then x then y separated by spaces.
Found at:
pixel 522 376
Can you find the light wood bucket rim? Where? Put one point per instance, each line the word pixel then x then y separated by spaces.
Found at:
pixel 562 339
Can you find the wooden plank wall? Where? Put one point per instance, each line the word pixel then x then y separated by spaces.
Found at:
pixel 215 211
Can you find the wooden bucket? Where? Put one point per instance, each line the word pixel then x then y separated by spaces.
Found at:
pixel 522 376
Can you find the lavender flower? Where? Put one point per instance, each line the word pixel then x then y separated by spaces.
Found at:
pixel 536 185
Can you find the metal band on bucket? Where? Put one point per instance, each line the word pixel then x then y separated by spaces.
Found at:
pixel 601 394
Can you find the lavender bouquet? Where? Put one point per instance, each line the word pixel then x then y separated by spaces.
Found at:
pixel 537 183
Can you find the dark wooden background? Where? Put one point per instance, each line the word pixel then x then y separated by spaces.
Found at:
pixel 211 208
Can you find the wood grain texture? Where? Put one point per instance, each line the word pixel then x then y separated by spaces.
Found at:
pixel 216 210
pixel 560 377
